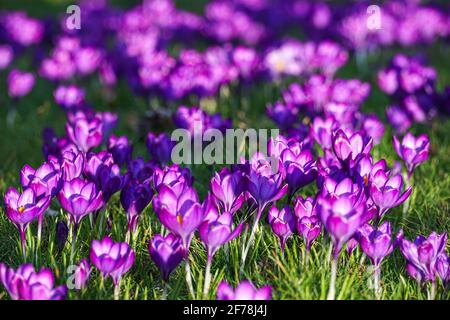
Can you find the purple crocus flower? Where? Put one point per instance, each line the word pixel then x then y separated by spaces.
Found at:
pixel 412 150
pixel 160 147
pixel 85 133
pixel 44 181
pixel 308 222
pixel 101 169
pixel 120 148
pixel 376 242
pixel 72 164
pixel 20 83
pixel 216 231
pixel 244 291
pixel 113 259
pixel 82 274
pixel 173 176
pixel 264 185
pixel 282 223
pixel 347 148
pixel 79 198
pixel 69 97
pixel 443 268
pixel 24 208
pixel 134 197
pixel 398 118
pixel 167 253
pixel 422 255
pixel 228 189
pixel 180 213
pixel 386 192
pixel 341 217
pixel 27 284
pixel 300 167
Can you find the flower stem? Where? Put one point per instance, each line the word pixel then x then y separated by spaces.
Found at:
pixel 332 289
pixel 117 291
pixel 24 243
pixel 207 277
pixel 376 282
pixel 39 236
pixel 165 289
pixel 189 278
pixel 74 238
pixel 432 291
pixel 250 239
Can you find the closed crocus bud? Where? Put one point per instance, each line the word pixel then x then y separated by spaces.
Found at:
pixel 309 228
pixel 341 217
pixel 69 96
pixel 348 148
pixel 72 164
pixel 20 83
pixel 134 197
pixel 79 198
pixel 85 133
pixel 62 232
pixel 214 233
pixel 282 223
pixel 113 259
pixel 423 253
pixel 244 291
pixel 45 181
pixel 167 253
pixel 228 189
pixel 82 273
pixel 160 147
pixel 120 148
pixel 351 245
pixel 27 284
pixel 180 213
pixel 413 151
pixel 386 192
pixel 376 243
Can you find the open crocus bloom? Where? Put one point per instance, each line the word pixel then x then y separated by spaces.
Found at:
pixel 112 258
pixel 412 150
pixel 386 192
pixel 348 148
pixel 217 231
pixel 244 291
pixel 422 255
pixel 228 188
pixel 180 213
pixel 376 243
pixel 27 284
pixel 44 181
pixel 85 133
pixel 79 198
pixel 341 217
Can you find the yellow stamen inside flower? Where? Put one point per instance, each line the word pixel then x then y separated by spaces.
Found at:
pixel 366 180
pixel 180 219
pixel 21 209
pixel 280 65
pixel 306 120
